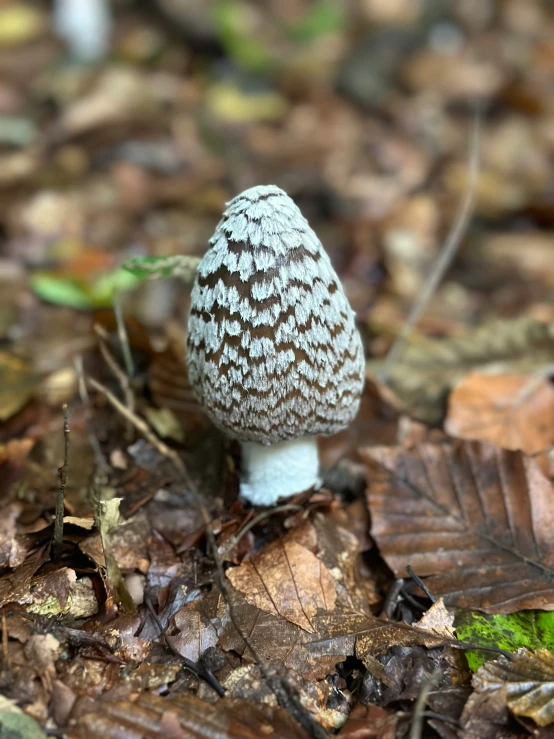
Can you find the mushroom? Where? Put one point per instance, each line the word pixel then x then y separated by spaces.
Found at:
pixel 273 352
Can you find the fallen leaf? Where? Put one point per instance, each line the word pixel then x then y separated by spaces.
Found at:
pixel 438 619
pixel 18 382
pixel 425 372
pixel 182 717
pixel 286 579
pixel 369 722
pixel 485 716
pixel 474 519
pixel 513 411
pixel 274 638
pixel 527 682
pixel 195 633
pixel 14 723
pixel 15 585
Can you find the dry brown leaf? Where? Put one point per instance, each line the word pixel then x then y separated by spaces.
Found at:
pixel 513 411
pixel 286 579
pixel 526 682
pixel 438 619
pixel 195 633
pixel 372 635
pixel 182 717
pixel 369 722
pixel 473 518
pixel 18 382
pixel 274 638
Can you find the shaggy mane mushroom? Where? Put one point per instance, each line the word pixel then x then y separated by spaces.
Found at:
pixel 273 352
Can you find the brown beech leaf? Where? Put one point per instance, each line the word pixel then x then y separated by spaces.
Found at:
pixel 513 411
pixel 526 683
pixel 372 635
pixel 286 579
pixel 274 638
pixel 369 722
pixel 476 520
pixel 182 717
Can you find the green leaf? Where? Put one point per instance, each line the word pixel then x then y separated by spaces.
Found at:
pixel 14 724
pixel 233 23
pixel 154 268
pixel 530 629
pixel 325 16
pixel 74 293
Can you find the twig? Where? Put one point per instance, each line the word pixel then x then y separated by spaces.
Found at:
pixel 57 539
pixel 418 717
pixel 122 378
pixel 445 257
pixel 85 400
pixel 144 429
pixel 193 667
pixel 123 338
pixel 422 585
pixel 391 600
pixel 432 715
pixel 283 691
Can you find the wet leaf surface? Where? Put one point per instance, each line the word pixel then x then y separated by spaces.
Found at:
pixel 475 520
pixel 526 684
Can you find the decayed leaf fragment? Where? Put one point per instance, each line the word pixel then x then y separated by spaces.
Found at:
pixel 476 520
pixel 428 370
pixel 183 717
pixel 513 411
pixel 528 682
pixel 285 578
pixel 18 382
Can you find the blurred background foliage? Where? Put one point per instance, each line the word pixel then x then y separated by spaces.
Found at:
pixel 126 125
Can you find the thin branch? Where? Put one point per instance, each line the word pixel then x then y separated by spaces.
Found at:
pixel 418 717
pixel 119 374
pixel 144 429
pixel 445 257
pixel 57 539
pixel 193 667
pixel 101 462
pixel 422 585
pixel 234 540
pixel 123 338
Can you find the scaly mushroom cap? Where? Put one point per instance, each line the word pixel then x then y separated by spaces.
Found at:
pixel 273 351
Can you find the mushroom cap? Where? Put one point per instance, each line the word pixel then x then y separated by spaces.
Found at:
pixel 272 349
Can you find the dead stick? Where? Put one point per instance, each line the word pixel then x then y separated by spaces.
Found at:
pixel 123 338
pixel 445 257
pixel 417 721
pixel 144 429
pixel 101 462
pixel 57 540
pixel 194 667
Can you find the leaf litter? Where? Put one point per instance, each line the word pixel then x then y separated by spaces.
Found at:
pixel 172 609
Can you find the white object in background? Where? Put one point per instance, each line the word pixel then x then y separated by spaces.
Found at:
pixel 85 26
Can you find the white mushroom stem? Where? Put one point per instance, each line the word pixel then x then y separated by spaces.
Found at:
pixel 279 470
pixel 85 26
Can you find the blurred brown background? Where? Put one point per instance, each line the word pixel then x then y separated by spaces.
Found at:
pixel 125 126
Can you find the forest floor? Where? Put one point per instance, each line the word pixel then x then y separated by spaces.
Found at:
pixel 413 594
